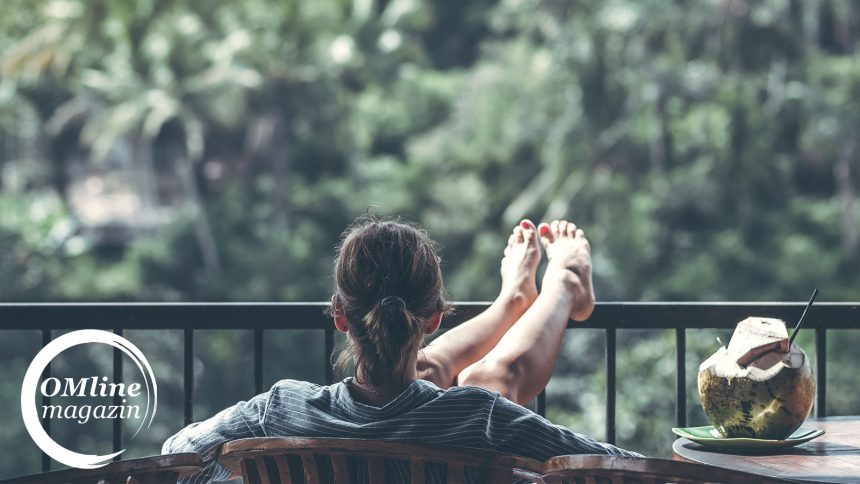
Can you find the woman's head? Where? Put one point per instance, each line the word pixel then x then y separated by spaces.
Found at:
pixel 388 288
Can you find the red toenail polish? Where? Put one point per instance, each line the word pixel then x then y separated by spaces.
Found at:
pixel 544 230
pixel 524 225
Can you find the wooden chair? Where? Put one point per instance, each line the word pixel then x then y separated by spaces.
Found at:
pixel 159 469
pixel 342 461
pixel 599 469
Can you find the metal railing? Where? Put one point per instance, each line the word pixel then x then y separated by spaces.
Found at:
pixel 261 317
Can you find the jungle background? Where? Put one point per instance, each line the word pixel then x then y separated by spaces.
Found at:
pixel 168 150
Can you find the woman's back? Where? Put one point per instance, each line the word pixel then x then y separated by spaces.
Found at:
pixel 467 417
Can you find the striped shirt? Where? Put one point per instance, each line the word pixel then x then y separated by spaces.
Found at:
pixel 423 413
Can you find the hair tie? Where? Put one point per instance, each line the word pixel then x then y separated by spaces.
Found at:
pixel 389 300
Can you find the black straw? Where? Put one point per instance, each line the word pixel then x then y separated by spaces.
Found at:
pixel 803 317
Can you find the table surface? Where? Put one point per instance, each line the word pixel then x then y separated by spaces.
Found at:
pixel 833 457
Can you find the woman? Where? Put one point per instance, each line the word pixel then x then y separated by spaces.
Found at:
pixel 465 389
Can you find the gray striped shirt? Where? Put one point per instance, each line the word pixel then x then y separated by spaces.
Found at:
pixel 423 413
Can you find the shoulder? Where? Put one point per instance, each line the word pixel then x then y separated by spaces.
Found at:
pixel 290 398
pixel 296 386
pixel 298 390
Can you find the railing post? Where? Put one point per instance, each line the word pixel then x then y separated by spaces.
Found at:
pixel 117 399
pixel 188 376
pixel 610 385
pixel 541 403
pixel 820 372
pixel 46 422
pixel 680 377
pixel 258 361
pixel 329 349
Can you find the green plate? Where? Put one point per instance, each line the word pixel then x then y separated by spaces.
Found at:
pixel 708 436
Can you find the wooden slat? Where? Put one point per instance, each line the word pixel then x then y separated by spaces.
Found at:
pixel 376 470
pixel 283 469
pixel 161 478
pixel 456 473
pixel 262 469
pixel 340 469
pixel 155 478
pixel 312 475
pixel 500 474
pixel 245 475
pixel 418 469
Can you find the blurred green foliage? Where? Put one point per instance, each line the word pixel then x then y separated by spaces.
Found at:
pixel 708 148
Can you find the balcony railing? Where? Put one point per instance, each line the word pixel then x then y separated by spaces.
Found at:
pixel 261 317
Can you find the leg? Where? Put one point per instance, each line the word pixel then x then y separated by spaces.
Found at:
pixel 449 354
pixel 522 363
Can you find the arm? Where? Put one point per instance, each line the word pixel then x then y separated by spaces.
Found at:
pixel 443 359
pixel 243 420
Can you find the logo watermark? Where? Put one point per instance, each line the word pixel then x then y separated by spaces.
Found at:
pixel 94 386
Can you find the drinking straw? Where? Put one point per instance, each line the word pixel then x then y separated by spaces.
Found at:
pixel 803 317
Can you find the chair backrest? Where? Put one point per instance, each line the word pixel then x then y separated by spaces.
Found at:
pixel 314 460
pixel 598 469
pixel 159 469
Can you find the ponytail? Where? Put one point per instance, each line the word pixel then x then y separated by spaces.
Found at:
pixel 394 334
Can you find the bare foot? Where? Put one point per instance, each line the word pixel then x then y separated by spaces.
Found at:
pixel 569 264
pixel 519 265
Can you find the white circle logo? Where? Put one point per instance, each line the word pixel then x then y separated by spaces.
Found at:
pixel 70 387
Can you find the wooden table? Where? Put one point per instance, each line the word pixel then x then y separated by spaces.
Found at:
pixel 833 457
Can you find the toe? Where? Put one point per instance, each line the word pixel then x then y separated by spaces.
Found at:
pixel 571 230
pixel 529 231
pixel 553 227
pixel 518 235
pixel 581 236
pixel 545 232
pixel 562 228
pixel 512 239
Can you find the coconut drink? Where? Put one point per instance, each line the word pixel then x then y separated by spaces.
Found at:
pixel 757 386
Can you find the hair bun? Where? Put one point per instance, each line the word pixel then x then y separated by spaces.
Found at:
pixel 389 300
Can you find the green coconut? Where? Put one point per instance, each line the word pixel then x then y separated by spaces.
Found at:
pixel 757 386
